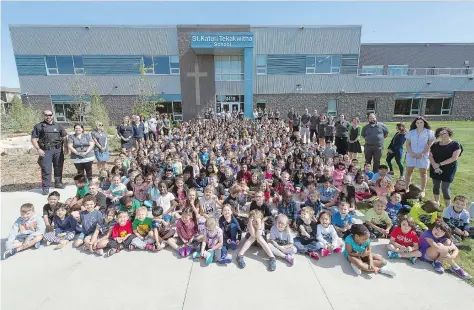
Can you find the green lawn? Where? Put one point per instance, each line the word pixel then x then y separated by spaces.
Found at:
pixel 463 181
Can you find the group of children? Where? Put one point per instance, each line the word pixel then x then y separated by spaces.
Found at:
pixel 203 195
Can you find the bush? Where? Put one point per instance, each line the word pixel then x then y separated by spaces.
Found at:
pixel 114 143
pixel 98 112
pixel 20 118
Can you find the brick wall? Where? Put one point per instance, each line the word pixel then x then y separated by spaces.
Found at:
pixel 118 107
pixel 38 102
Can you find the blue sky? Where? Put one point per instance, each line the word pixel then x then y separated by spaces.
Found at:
pixel 382 22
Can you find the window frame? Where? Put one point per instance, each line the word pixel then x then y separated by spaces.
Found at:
pixel 76 71
pixel 400 67
pixel 227 74
pixel 412 110
pixel 261 69
pixel 441 110
pixel 379 70
pixel 330 113
pixel 332 69
pixel 374 110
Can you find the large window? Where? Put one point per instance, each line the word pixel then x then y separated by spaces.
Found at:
pixel 229 102
pixel 64 65
pixel 65 111
pixel 397 70
pixel 323 64
pixel 161 65
pixel 410 106
pixel 229 68
pixel 332 107
pixel 438 106
pixel 371 70
pixel 261 64
pixel 371 106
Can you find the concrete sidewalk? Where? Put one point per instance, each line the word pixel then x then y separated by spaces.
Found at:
pixel 69 279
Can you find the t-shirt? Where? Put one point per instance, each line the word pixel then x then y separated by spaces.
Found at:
pixel 82 191
pixel 369 174
pixel 118 190
pixel 377 219
pixel 326 235
pixel 377 176
pixel 326 194
pixel 140 191
pixel 456 220
pixel 165 201
pixel 48 211
pixel 209 206
pixel 361 188
pixel 358 248
pixel 142 227
pixel 212 237
pixel 421 217
pixel 121 231
pixel 428 234
pixel 338 221
pixel 392 211
pixel 281 237
pixel 310 228
pixel 317 206
pixel 404 239
pixel 131 211
pixel 263 208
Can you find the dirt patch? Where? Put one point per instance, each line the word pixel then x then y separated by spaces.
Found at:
pixel 22 172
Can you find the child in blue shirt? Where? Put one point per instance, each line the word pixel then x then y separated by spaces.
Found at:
pixel 368 171
pixel 359 252
pixel 204 156
pixel 393 207
pixel 314 202
pixel 342 220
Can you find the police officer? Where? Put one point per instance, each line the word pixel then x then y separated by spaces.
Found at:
pixel 48 138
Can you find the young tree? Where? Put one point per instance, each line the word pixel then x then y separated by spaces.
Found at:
pixel 98 112
pixel 143 105
pixel 20 117
pixel 80 107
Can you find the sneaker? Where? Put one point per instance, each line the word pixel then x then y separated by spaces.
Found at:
pixel 313 255
pixel 461 273
pixel 7 254
pixel 99 252
pixel 438 267
pixel 272 264
pixel 59 185
pixel 225 260
pixel 131 247
pixel 48 243
pixel 412 260
pixel 45 191
pixel 386 270
pixel 37 245
pixel 290 259
pixel 150 247
pixel 356 270
pixel 209 257
pixel 112 251
pixel 195 255
pixel 338 250
pixel 241 262
pixel 392 254
pixel 233 245
pixel 162 246
pixel 324 252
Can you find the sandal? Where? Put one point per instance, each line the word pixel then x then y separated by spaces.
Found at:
pixel 241 262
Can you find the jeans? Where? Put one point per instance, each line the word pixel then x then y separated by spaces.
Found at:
pixel 302 248
pixel 373 152
pixel 87 167
pixel 398 160
pixel 233 237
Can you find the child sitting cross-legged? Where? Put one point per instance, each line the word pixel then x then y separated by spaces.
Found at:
pixel 458 218
pixel 27 231
pixel 307 242
pixel 359 252
pixel 328 240
pixel 187 230
pixel 89 220
pixel 377 220
pixel 121 236
pixel 404 241
pixel 64 227
pixel 281 240
pixel 211 246
pixel 162 230
pixel 100 238
pixel 342 219
pixel 142 226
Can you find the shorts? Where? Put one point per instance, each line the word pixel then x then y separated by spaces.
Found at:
pixel 81 236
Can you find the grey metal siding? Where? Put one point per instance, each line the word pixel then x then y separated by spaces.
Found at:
pixel 105 85
pixel 98 40
pixel 311 41
pixel 229 87
pixel 314 83
pixel 417 55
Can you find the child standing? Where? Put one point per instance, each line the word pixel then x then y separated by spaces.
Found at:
pixel 436 247
pixel 404 241
pixel 307 242
pixel 64 227
pixel 281 240
pixel 27 231
pixel 359 252
pixel 328 240
pixel 377 220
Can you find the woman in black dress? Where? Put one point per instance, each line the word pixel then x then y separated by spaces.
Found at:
pixel 125 133
pixel 354 137
pixel 444 156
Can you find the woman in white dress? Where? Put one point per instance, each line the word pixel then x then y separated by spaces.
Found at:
pixel 418 141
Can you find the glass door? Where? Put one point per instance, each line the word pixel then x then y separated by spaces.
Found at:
pixel 235 106
pixel 225 107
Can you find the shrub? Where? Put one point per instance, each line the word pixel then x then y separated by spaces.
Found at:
pixel 20 118
pixel 98 112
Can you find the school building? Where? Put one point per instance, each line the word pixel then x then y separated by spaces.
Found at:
pixel 191 68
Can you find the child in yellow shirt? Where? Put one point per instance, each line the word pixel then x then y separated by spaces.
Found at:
pixel 424 215
pixel 377 220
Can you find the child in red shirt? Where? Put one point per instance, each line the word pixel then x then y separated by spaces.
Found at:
pixel 121 235
pixel 404 240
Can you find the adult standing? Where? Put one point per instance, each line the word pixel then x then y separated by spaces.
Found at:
pixel 125 132
pixel 48 138
pixel 101 149
pixel 81 145
pixel 305 123
pixel 444 156
pixel 374 134
pixel 419 140
pixel 341 135
pixel 152 128
pixel 354 147
pixel 166 125
pixel 291 115
pixel 395 149
pixel 159 125
pixel 138 130
pixel 322 123
pixel 314 122
pixel 296 122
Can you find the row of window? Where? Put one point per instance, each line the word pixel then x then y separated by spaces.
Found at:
pixel 320 64
pixel 392 70
pixel 158 65
pixel 412 106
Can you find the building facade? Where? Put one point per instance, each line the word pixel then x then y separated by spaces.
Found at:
pixel 7 95
pixel 191 68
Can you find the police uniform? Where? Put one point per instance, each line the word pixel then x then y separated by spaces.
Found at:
pixel 50 140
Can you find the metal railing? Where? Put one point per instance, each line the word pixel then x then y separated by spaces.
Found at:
pixel 400 72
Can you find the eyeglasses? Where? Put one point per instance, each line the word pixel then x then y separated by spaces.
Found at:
pixel 100 125
pixel 48 115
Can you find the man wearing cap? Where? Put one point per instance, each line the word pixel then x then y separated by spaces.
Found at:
pixel 49 139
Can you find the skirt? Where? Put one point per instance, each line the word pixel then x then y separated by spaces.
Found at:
pixel 102 156
pixel 354 147
pixel 127 144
